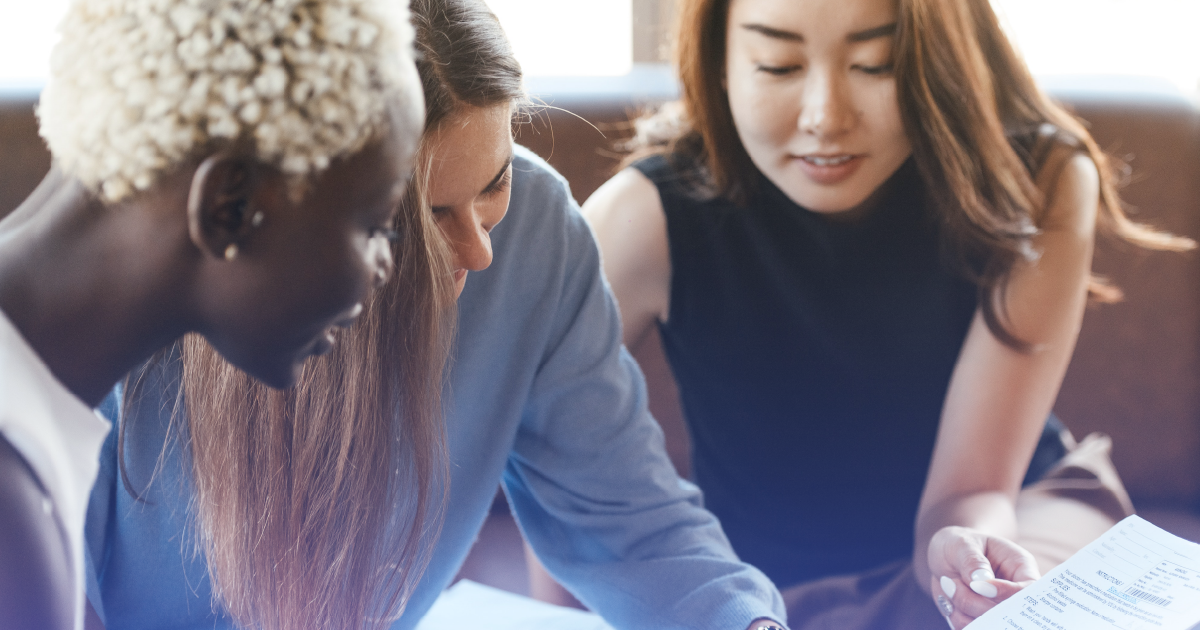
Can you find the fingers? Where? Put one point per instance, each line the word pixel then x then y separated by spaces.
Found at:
pixel 1012 561
pixel 969 557
pixel 964 583
pixel 961 603
pixel 943 589
pixel 946 592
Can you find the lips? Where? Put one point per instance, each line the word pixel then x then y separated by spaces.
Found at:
pixel 829 168
pixel 326 340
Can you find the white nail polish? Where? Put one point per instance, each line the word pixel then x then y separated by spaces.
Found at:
pixel 984 588
pixel 948 587
pixel 982 574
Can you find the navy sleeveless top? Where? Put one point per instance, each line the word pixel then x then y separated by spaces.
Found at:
pixel 813 356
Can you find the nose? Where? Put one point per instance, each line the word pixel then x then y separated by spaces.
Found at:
pixel 467 230
pixel 380 261
pixel 826 110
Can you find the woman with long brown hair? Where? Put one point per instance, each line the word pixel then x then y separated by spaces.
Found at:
pixel 866 236
pixel 304 520
pixel 191 192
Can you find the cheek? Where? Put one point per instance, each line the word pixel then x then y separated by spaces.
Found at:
pixel 883 108
pixel 764 116
pixel 499 207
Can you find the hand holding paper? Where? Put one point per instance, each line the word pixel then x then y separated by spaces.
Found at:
pixel 1134 577
pixel 972 571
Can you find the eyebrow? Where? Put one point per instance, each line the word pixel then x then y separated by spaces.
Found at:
pixel 496 179
pixel 872 33
pixel 775 33
pixel 791 36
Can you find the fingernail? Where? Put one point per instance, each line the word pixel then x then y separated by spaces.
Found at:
pixel 982 574
pixel 948 587
pixel 986 589
pixel 946 606
pixel 949 623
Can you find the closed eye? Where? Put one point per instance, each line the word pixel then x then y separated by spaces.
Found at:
pixel 779 71
pixel 875 70
pixel 500 185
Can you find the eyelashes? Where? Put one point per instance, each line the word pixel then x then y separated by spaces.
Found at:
pixel 876 70
pixel 778 71
pixel 501 185
pixel 781 71
pixel 496 188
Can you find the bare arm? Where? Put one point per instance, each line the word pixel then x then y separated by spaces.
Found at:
pixel 999 399
pixel 36 585
pixel 627 216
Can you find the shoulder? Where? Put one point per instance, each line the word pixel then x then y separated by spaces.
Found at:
pixel 627 216
pixel 32 545
pixel 1069 182
pixel 541 211
pixel 626 205
pixel 536 182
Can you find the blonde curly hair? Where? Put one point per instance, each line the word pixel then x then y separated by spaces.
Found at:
pixel 138 86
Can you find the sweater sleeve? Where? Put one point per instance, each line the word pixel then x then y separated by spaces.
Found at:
pixel 590 482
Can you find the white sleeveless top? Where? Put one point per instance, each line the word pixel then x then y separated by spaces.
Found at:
pixel 58 435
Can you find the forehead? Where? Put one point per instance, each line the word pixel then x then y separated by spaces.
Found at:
pixel 811 19
pixel 367 182
pixel 466 151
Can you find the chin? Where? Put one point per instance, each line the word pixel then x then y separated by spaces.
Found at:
pixel 827 201
pixel 281 379
pixel 277 372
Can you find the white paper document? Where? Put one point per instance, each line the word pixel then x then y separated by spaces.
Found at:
pixel 472 606
pixel 1134 577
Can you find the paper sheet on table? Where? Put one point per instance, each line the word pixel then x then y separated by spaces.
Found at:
pixel 472 605
pixel 1134 577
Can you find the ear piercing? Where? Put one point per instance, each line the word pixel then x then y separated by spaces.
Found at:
pixel 231 251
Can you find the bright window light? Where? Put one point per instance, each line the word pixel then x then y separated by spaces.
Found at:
pixel 1154 38
pixel 594 37
pixel 569 37
pixel 27 33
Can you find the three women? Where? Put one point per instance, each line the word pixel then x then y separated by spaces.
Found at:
pixel 915 294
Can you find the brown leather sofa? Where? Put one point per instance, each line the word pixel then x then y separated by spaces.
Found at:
pixel 1136 371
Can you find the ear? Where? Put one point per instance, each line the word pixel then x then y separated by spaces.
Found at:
pixel 220 212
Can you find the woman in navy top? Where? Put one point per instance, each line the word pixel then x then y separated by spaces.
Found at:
pixel 865 237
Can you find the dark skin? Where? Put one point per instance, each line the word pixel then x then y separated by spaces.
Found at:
pixel 96 289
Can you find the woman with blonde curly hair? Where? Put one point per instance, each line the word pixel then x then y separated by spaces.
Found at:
pixel 229 168
pixel 865 236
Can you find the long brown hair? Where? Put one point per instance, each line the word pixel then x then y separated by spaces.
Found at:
pixel 968 102
pixel 317 507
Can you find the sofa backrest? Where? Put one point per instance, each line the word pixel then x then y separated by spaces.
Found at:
pixel 1136 370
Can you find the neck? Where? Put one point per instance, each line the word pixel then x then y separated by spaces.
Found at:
pixel 88 285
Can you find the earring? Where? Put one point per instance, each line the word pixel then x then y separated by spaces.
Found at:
pixel 257 218
pixel 231 252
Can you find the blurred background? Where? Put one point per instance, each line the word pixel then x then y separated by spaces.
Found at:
pixel 612 38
